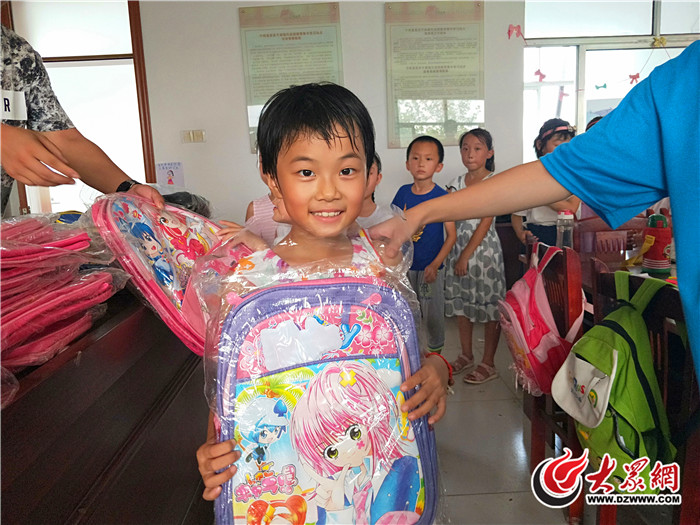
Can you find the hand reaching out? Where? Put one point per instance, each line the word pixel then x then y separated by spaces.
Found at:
pixel 148 192
pixel 26 155
pixel 240 235
pixel 229 229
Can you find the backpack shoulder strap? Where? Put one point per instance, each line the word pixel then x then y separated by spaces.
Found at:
pixel 643 296
pixel 546 258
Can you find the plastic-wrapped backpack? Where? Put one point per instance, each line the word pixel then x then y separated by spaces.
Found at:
pixel 308 384
pixel 158 249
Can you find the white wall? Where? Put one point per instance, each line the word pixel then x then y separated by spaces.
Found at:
pixel 195 81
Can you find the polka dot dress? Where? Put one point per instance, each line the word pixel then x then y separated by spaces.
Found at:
pixel 476 294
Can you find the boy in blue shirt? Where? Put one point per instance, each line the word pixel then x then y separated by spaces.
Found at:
pixel 433 242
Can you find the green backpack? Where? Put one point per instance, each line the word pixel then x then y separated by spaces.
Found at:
pixel 608 385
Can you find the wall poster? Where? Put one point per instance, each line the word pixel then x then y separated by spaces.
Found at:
pixel 286 45
pixel 435 65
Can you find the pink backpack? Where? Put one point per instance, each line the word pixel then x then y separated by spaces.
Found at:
pixel 158 249
pixel 530 330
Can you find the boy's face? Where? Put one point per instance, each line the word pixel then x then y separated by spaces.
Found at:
pixel 423 161
pixel 322 186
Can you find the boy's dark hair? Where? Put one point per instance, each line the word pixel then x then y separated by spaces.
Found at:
pixel 554 127
pixel 427 138
pixel 378 162
pixel 485 137
pixel 312 110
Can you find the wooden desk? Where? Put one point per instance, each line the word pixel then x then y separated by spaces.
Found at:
pixel 107 431
pixel 613 261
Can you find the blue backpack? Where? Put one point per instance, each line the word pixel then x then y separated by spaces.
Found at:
pixel 308 384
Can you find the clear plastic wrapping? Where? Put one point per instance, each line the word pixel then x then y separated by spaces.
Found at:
pixel 38 241
pixel 52 340
pixel 158 248
pixel 9 385
pixel 303 368
pixel 232 270
pixel 27 321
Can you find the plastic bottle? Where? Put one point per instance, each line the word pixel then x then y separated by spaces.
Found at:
pixel 565 229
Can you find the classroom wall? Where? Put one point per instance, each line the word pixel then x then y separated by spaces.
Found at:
pixel 194 70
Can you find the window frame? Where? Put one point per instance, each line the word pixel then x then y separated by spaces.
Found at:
pixel 608 43
pixel 137 57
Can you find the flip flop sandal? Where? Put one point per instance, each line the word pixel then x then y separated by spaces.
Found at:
pixel 462 364
pixel 482 374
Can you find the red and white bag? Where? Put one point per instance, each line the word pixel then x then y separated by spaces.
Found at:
pixel 530 330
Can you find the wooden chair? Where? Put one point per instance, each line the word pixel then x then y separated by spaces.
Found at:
pixel 677 381
pixel 562 282
pixel 614 241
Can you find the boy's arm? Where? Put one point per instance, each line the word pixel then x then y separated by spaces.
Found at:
pixel 212 457
pixel 450 240
pixel 432 378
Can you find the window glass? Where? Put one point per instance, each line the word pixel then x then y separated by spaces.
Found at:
pixel 611 74
pixel 549 91
pixel 680 17
pixel 568 18
pixel 100 98
pixel 58 28
pixel 443 119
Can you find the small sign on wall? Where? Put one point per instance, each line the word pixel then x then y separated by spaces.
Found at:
pixel 170 174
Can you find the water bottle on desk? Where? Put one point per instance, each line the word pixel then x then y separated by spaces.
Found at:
pixel 565 229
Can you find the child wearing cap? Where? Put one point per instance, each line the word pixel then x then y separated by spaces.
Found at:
pixel 542 221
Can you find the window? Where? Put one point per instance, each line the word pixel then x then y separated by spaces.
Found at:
pixel 87 51
pixel 581 61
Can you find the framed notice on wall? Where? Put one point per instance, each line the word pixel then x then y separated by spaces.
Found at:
pixel 287 45
pixel 435 65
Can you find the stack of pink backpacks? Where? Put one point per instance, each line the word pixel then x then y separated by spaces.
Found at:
pixel 158 248
pixel 47 300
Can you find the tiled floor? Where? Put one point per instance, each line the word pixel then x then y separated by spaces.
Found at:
pixel 483 448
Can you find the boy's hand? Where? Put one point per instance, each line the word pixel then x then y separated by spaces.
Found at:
pixel 430 273
pixel 212 457
pixel 432 378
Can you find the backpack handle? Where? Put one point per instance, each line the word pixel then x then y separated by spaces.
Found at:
pixel 535 262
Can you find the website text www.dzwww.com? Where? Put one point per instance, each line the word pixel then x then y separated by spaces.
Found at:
pixel 633 499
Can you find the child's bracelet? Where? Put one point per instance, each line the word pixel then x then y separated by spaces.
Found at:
pixel 447 363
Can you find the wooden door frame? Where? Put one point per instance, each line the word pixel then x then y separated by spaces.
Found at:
pixel 137 55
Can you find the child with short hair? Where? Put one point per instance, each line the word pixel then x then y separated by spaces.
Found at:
pixel 541 221
pixel 371 213
pixel 316 144
pixel 433 243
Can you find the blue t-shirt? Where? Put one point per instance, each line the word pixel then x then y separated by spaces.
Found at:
pixel 426 248
pixel 646 149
